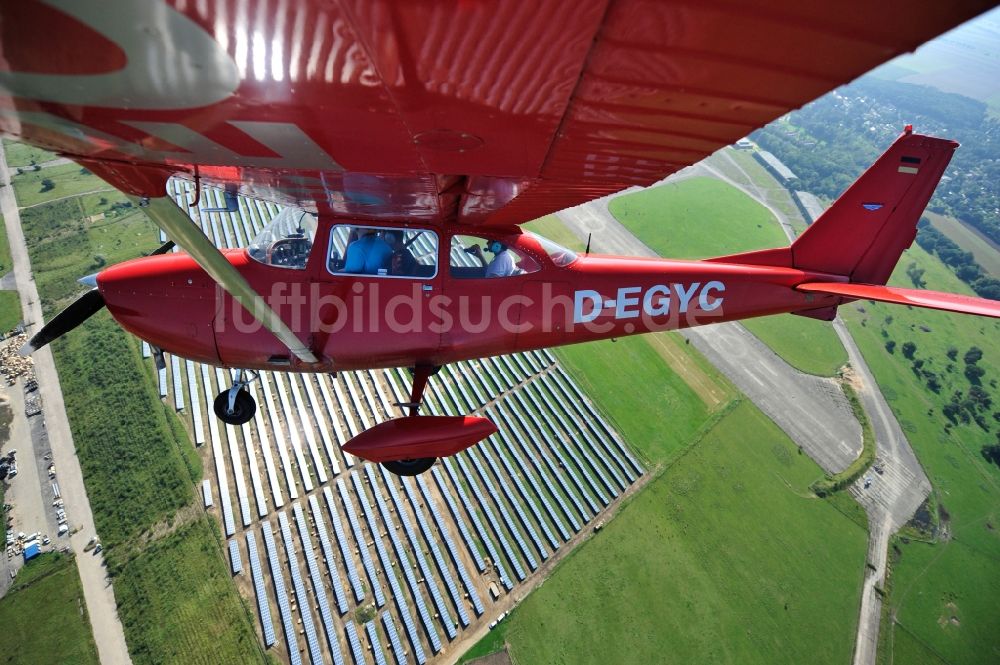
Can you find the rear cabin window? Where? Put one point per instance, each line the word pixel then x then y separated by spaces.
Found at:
pixel 383 251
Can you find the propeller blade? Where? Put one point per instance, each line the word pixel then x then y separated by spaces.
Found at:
pixel 163 249
pixel 78 311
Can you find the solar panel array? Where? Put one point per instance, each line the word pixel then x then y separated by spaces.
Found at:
pixel 491 514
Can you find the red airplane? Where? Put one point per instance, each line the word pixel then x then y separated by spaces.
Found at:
pixel 409 141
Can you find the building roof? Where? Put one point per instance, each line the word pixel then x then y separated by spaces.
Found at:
pixel 31 551
pixel 777 165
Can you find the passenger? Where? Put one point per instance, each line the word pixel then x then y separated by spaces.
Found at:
pixel 368 254
pixel 402 262
pixel 502 263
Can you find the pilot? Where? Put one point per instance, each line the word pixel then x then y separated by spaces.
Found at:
pixel 401 263
pixel 368 254
pixel 502 263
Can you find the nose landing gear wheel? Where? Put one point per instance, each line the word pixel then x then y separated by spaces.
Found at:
pixel 242 409
pixel 409 467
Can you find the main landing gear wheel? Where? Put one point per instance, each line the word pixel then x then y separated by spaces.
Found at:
pixel 242 409
pixel 409 467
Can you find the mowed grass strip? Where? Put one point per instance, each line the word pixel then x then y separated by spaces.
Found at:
pixel 960 577
pixel 722 559
pixel 66 179
pixel 703 217
pixel 44 617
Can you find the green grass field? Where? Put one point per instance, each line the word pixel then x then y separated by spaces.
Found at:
pixel 722 559
pixel 23 154
pixel 701 217
pixel 552 228
pixel 10 304
pixel 175 601
pixel 806 344
pixel 696 219
pixel 43 618
pixel 170 602
pixel 67 180
pixel 969 240
pixel 959 577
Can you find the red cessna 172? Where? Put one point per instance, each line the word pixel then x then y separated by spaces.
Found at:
pixel 409 140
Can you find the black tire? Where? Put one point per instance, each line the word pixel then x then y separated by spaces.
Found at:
pixel 409 467
pixel 243 407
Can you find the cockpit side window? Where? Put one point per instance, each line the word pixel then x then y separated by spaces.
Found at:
pixel 383 251
pixel 475 257
pixel 286 240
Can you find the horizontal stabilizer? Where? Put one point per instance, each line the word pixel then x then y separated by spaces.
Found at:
pixel 949 302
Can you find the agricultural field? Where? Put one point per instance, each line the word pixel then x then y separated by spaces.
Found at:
pixel 724 558
pixel 44 617
pixel 138 462
pixel 943 595
pixel 986 254
pixel 23 154
pixel 729 221
pixel 56 182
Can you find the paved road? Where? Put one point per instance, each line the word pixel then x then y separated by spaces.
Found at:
pixel 97 590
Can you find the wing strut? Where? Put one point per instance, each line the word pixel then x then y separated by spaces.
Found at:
pixel 179 227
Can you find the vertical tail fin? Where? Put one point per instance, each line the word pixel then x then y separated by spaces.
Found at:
pixel 863 234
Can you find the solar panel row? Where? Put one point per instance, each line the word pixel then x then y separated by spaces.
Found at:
pixel 359 538
pixel 281 594
pixel 312 639
pixel 328 555
pixel 345 550
pixel 319 591
pixel 405 566
pixel 263 607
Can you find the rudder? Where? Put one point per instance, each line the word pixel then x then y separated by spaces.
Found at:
pixel 863 234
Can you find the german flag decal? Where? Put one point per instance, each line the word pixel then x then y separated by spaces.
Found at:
pixel 909 165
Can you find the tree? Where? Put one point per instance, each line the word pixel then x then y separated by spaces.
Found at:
pixel 890 346
pixel 974 373
pixel 909 348
pixel 992 453
pixel 48 185
pixel 916 275
pixel 973 355
pixel 952 352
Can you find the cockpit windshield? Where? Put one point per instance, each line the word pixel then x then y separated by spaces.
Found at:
pixel 286 241
pixel 559 254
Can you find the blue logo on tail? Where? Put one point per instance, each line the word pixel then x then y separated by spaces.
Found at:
pixel 871 206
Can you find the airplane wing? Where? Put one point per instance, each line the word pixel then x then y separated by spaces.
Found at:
pixel 471 112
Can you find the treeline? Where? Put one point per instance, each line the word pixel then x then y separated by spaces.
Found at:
pixel 962 262
pixel 829 142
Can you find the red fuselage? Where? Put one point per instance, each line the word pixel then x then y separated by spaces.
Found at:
pixel 365 322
